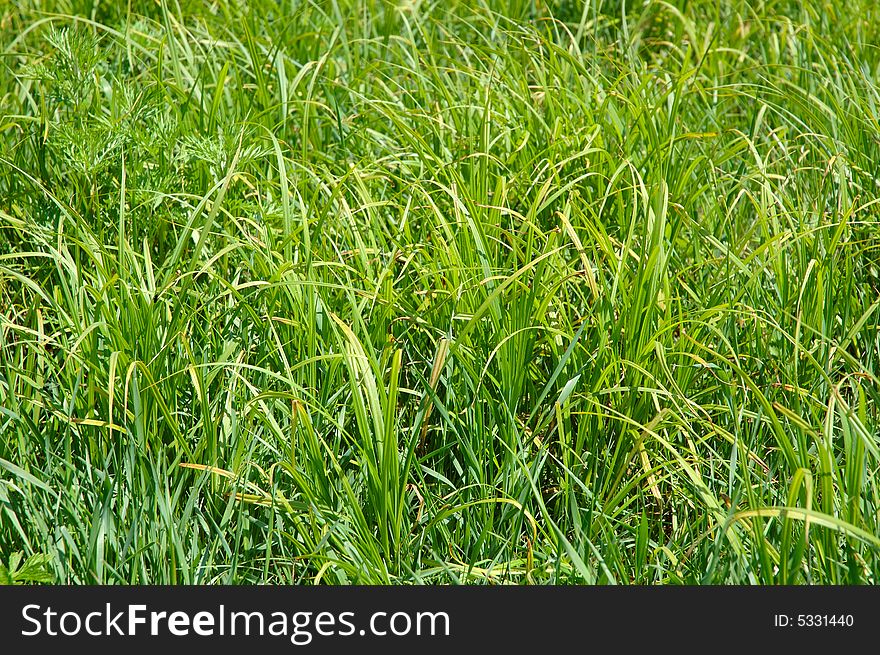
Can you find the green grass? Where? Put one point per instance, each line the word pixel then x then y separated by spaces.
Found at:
pixel 362 291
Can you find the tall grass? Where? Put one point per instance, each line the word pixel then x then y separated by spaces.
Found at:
pixel 361 291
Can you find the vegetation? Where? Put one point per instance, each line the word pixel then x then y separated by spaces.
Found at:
pixel 370 291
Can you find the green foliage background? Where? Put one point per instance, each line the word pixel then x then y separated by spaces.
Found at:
pixel 362 291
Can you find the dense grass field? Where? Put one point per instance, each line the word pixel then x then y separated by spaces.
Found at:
pixel 370 291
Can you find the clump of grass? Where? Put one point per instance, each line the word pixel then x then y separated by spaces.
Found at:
pixel 378 292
